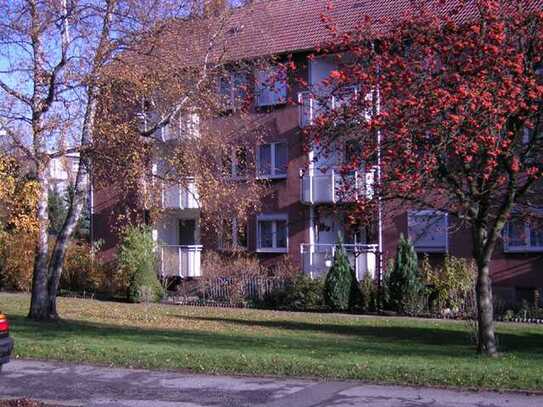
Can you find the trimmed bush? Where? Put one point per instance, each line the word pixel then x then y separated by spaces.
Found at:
pixel 137 265
pixel 305 293
pixel 341 291
pixel 404 286
pixel 302 293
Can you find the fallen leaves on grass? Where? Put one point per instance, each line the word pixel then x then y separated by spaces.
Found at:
pixel 22 403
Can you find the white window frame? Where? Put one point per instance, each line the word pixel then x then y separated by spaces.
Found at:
pixel 526 248
pixel 273 168
pixel 232 80
pixel 263 90
pixel 183 126
pixel 428 212
pixel 274 218
pixel 235 237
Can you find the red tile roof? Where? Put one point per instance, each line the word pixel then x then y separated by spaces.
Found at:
pixel 270 27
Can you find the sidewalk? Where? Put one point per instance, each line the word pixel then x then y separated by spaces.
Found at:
pixel 82 385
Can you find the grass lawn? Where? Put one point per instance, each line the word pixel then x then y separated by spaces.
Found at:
pixel 214 340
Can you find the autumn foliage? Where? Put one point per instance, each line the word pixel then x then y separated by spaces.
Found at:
pixel 449 109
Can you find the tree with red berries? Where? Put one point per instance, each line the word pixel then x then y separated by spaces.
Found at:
pixel 449 107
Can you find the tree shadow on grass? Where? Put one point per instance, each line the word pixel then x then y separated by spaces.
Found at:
pixel 384 341
pixel 529 343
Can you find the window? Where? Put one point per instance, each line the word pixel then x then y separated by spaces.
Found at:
pixel 235 165
pixel 272 160
pixel 271 87
pixel 523 236
pixel 237 3
pixel 272 233
pixel 233 90
pixel 186 125
pixel 233 235
pixel 427 229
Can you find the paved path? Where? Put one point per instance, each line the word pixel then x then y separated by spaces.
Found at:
pixel 80 385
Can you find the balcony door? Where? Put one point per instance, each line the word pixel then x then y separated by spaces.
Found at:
pixel 187 232
pixel 326 158
pixel 327 230
pixel 329 227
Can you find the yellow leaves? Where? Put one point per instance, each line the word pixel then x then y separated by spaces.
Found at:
pixel 24 202
pixel 17 250
pixel 18 197
pixel 7 181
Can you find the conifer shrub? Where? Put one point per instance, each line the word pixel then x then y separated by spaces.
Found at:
pixel 404 285
pixel 341 291
pixel 368 291
pixel 137 264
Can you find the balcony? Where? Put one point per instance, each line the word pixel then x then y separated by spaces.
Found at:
pixel 318 258
pixel 180 261
pixel 335 186
pixel 179 196
pixel 312 106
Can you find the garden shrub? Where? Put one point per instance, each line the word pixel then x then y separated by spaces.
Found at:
pixel 368 291
pixel 341 291
pixel 452 285
pixel 235 268
pixel 404 286
pixel 305 293
pixel 17 260
pixel 301 293
pixel 137 263
pixel 285 268
pixel 82 271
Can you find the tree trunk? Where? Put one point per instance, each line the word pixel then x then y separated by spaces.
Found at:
pixel 483 247
pixel 485 311
pixel 74 211
pixel 61 245
pixel 39 298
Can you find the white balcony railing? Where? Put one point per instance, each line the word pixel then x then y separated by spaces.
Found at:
pixel 180 261
pixel 312 106
pixel 335 186
pixel 179 196
pixel 318 258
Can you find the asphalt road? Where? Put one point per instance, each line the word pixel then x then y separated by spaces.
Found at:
pixel 81 385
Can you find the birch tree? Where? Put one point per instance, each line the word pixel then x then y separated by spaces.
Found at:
pixel 59 60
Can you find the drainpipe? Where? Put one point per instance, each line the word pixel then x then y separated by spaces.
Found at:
pixel 376 111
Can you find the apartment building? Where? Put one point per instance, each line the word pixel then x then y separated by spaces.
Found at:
pixel 305 213
pixel 62 172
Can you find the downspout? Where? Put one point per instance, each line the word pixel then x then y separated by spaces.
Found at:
pixel 377 111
